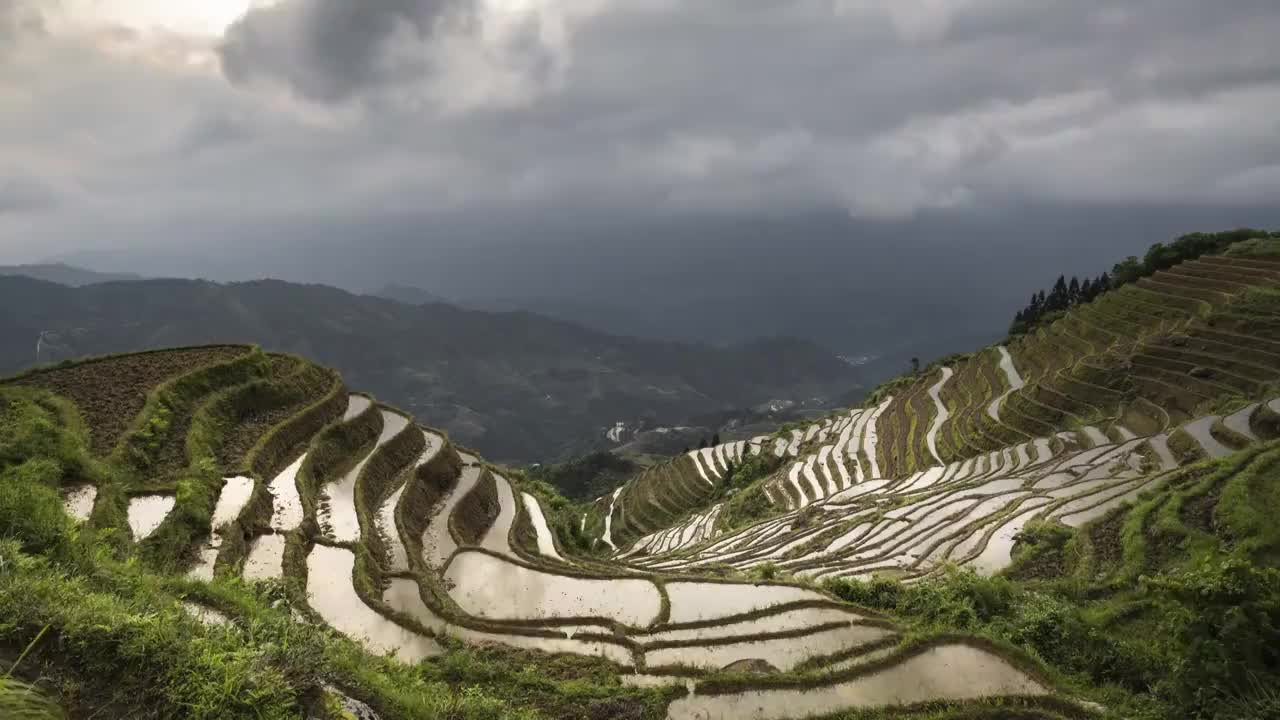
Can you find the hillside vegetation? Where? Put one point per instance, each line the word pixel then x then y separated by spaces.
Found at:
pixel 1077 524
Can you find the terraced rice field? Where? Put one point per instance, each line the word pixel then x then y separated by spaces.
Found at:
pixel 394 537
pixel 331 595
pixel 489 587
pixel 146 512
pixel 1014 379
pixel 532 594
pixel 286 503
pixel 265 560
pixel 664 494
pixel 338 514
pixel 78 501
pixel 1153 354
pixel 432 445
pixel 967 513
pixel 437 542
pixel 231 501
pixel 546 541
pixel 947 672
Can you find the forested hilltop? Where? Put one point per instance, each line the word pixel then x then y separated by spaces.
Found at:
pixel 1045 308
pixel 1078 523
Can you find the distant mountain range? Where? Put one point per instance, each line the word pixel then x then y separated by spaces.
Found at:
pixel 518 386
pixel 65 274
pixel 410 295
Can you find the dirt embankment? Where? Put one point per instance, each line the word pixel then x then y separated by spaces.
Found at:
pixel 476 512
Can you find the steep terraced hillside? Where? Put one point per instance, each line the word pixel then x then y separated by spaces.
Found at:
pixel 1075 524
pixel 234 465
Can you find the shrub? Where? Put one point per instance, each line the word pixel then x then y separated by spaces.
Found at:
pixel 31 511
pixel 1224 620
pixel 1041 551
pixel 746 507
pixel 877 593
pixel 751 469
pixel 1047 626
pixel 766 571
pixel 31 426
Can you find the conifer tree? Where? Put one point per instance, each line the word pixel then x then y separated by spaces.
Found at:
pixel 1058 299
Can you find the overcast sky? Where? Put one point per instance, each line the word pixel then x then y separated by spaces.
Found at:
pixel 179 124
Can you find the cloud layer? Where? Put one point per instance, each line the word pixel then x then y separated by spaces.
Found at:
pixel 315 108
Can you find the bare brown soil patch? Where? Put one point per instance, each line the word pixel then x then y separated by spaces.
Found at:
pixel 110 392
pixel 1108 548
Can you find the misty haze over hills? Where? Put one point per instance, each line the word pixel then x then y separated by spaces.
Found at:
pixel 940 283
pixel 64 274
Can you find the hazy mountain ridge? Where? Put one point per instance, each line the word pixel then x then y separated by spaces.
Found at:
pixel 520 386
pixel 64 274
pixel 409 295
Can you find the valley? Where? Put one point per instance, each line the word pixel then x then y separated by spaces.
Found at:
pixel 523 387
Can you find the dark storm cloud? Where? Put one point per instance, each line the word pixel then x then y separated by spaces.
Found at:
pixel 329 49
pixel 400 108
